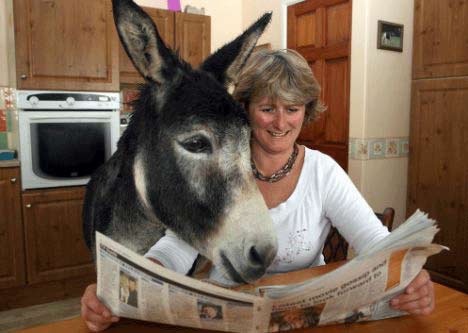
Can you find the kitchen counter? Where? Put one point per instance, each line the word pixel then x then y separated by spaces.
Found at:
pixel 9 163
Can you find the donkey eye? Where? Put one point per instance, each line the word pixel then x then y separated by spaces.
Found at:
pixel 197 144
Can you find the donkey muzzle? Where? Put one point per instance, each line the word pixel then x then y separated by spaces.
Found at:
pixel 249 261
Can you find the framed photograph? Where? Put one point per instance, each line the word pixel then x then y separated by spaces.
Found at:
pixel 390 36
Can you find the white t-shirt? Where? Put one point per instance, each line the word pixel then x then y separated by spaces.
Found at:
pixel 324 196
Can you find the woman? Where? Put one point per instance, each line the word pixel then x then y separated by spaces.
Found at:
pixel 305 190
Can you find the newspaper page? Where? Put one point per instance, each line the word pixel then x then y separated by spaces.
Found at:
pixel 134 287
pixel 359 290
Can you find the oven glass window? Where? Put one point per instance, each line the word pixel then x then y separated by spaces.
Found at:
pixel 69 150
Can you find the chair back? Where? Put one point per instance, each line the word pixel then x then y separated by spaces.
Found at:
pixel 336 247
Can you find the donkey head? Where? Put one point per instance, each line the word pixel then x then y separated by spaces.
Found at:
pixel 190 144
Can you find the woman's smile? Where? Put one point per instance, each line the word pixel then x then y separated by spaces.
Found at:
pixel 275 124
pixel 278 134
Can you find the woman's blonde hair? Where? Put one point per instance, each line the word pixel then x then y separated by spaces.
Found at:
pixel 280 75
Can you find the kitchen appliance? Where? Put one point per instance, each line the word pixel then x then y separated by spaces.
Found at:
pixel 65 136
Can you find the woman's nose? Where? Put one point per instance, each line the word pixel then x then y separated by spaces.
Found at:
pixel 280 121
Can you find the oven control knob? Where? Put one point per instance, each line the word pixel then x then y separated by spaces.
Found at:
pixel 34 100
pixel 70 100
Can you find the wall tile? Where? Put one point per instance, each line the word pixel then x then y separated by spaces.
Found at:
pixel 3 140
pixel 3 121
pixel 404 147
pixel 377 148
pixel 392 148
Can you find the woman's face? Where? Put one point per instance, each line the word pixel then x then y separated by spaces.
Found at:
pixel 275 125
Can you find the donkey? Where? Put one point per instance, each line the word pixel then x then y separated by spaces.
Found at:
pixel 183 163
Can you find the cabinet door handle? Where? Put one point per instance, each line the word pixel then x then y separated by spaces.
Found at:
pixel 13 180
pixel 28 206
pixel 24 77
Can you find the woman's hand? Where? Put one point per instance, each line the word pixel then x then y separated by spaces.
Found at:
pixel 418 297
pixel 95 314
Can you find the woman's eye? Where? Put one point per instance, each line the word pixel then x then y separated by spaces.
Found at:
pixel 197 145
pixel 266 109
pixel 293 109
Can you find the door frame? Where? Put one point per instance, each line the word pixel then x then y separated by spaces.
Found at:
pixel 284 20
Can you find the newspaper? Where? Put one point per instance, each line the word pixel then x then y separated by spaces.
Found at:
pixel 134 287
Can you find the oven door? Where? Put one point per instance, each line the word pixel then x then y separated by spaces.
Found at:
pixel 65 148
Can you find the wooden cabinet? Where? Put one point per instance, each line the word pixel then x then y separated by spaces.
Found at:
pixel 321 32
pixel 164 21
pixel 43 257
pixel 188 33
pixel 12 270
pixel 55 249
pixel 193 37
pixel 440 47
pixel 437 170
pixel 66 45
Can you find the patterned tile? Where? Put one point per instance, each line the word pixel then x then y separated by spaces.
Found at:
pixel 362 149
pixel 3 140
pixel 392 148
pixel 352 148
pixel 128 96
pixel 9 97
pixel 404 147
pixel 376 148
pixel 3 121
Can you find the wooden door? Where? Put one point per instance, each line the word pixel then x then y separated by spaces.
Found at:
pixel 66 45
pixel 164 21
pixel 440 47
pixel 193 37
pixel 321 32
pixel 55 248
pixel 438 172
pixel 12 265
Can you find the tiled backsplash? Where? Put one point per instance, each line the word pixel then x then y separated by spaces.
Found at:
pixel 378 148
pixel 8 118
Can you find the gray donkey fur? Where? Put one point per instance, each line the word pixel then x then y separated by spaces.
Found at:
pixel 183 162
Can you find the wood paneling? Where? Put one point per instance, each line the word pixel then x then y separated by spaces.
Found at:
pixel 39 293
pixel 66 45
pixel 438 172
pixel 440 38
pixel 306 30
pixel 321 32
pixel 193 37
pixel 12 270
pixel 55 248
pixel 164 21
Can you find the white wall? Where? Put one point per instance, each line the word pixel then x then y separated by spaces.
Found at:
pixel 380 100
pixel 252 10
pixel 7 52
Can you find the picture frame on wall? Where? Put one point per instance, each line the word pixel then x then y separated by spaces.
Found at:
pixel 390 36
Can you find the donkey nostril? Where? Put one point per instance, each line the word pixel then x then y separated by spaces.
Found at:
pixel 255 257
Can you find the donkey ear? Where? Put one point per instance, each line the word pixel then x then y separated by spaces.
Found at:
pixel 141 41
pixel 226 63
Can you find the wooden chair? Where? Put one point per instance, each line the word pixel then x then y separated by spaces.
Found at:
pixel 336 247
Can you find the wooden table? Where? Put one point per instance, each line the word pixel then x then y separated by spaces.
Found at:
pixel 450 315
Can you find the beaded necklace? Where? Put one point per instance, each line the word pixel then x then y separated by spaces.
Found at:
pixel 281 173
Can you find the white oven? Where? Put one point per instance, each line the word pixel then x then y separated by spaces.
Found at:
pixel 65 136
